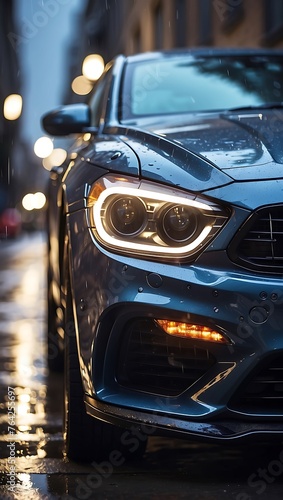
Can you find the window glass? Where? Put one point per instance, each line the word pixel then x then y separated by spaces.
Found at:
pixel 188 84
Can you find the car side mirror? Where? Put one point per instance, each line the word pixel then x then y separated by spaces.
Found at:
pixel 70 119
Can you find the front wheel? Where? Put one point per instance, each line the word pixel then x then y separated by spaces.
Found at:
pixel 87 438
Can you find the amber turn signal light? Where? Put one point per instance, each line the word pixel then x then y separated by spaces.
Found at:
pixel 191 331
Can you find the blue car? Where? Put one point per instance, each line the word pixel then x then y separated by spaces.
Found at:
pixel 165 252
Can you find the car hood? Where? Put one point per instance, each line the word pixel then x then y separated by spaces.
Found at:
pixel 242 145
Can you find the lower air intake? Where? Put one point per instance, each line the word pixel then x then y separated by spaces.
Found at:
pixel 152 361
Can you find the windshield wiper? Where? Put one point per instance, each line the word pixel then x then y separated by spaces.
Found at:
pixel 265 105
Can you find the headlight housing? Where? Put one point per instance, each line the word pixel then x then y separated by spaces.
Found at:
pixel 146 220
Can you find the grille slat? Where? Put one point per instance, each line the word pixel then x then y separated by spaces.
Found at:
pixel 262 393
pixel 259 244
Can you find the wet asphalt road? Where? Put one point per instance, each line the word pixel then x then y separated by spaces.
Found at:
pixel 32 464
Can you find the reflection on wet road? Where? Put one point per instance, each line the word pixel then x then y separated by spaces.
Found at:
pixel 32 464
pixel 31 400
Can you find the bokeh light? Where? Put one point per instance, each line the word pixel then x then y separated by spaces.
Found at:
pixel 81 85
pixel 27 201
pixel 43 147
pixel 55 159
pixel 93 66
pixel 39 200
pixel 12 108
pixel 34 201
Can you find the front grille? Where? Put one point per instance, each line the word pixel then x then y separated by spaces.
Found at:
pixel 149 360
pixel 262 394
pixel 259 244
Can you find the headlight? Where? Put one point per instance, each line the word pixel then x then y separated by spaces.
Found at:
pixel 178 224
pixel 126 215
pixel 151 221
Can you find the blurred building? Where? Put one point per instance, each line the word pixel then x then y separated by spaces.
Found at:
pixel 9 84
pixel 110 27
pixel 131 26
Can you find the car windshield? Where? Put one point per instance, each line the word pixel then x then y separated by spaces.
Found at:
pixel 188 84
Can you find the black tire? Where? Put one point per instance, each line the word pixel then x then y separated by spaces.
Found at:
pixel 87 438
pixel 55 355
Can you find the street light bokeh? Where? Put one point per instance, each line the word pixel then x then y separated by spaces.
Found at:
pixel 93 66
pixel 55 159
pixel 34 201
pixel 12 108
pixel 43 147
pixel 81 85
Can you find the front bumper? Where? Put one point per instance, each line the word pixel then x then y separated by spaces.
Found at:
pixel 239 388
pixel 162 425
